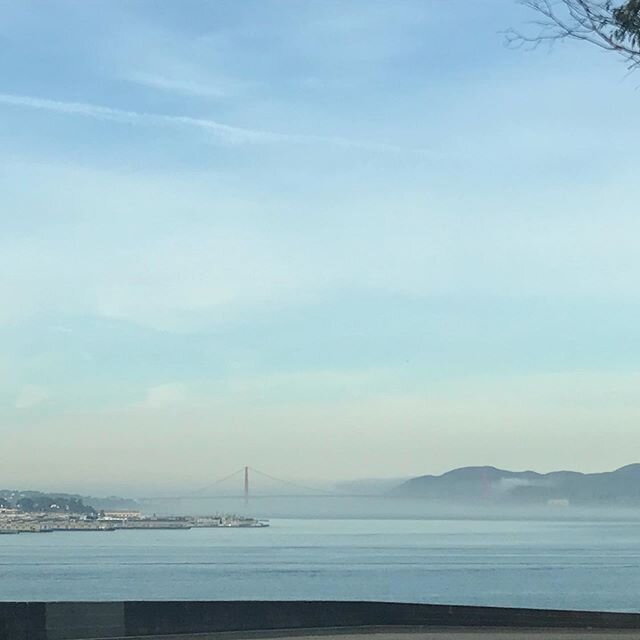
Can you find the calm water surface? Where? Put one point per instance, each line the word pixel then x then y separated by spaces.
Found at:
pixel 579 565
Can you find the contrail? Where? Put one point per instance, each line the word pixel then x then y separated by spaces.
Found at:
pixel 224 132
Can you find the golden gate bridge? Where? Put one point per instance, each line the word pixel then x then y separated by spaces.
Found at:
pixel 244 492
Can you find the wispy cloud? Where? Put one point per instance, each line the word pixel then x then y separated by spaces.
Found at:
pixel 185 87
pixel 31 395
pixel 165 396
pixel 224 132
pixel 123 116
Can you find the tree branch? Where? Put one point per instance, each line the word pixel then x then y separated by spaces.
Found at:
pixel 612 26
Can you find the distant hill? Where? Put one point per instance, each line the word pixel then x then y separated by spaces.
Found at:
pixel 35 501
pixel 112 503
pixel 491 485
pixel 72 503
pixel 369 485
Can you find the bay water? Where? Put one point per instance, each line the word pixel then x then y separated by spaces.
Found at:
pixel 546 564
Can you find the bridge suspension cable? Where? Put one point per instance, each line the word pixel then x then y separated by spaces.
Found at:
pixel 216 483
pixel 293 484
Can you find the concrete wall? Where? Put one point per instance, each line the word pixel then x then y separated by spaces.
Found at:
pixel 22 620
pixel 74 620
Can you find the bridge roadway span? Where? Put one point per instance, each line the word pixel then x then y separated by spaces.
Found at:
pixel 240 620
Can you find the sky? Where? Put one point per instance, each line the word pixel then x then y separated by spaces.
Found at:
pixel 330 240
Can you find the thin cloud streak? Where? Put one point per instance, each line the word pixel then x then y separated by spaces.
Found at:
pixel 188 88
pixel 227 133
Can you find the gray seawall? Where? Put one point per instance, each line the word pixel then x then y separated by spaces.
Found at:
pixel 72 620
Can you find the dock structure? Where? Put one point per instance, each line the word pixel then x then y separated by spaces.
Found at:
pixel 30 522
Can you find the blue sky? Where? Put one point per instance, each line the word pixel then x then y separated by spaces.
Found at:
pixel 327 239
